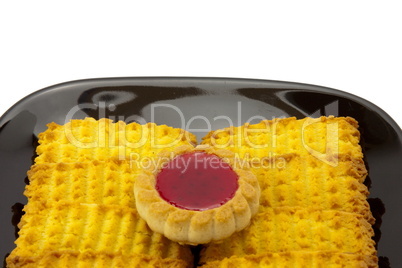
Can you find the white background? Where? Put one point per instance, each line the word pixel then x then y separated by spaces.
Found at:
pixel 353 46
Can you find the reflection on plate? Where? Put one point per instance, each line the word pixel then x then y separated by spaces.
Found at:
pixel 200 105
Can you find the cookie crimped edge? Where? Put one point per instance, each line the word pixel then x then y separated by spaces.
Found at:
pixel 197 227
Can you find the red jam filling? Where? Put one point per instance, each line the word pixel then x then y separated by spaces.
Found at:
pixel 197 181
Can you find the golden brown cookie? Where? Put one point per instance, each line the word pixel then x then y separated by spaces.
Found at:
pixel 202 204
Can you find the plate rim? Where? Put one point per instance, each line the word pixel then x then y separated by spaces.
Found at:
pixel 304 86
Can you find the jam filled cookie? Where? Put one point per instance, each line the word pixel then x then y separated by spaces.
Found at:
pixel 197 195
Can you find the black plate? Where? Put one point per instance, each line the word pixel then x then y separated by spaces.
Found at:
pixel 191 103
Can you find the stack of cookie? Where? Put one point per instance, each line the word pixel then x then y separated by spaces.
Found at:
pixel 81 208
pixel 313 208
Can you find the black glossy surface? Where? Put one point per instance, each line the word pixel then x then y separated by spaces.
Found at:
pixel 201 100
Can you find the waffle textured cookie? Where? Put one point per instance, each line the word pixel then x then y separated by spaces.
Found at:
pixel 313 207
pixel 90 139
pixel 81 208
pixel 192 217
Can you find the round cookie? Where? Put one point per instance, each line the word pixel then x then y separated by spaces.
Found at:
pixel 196 195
